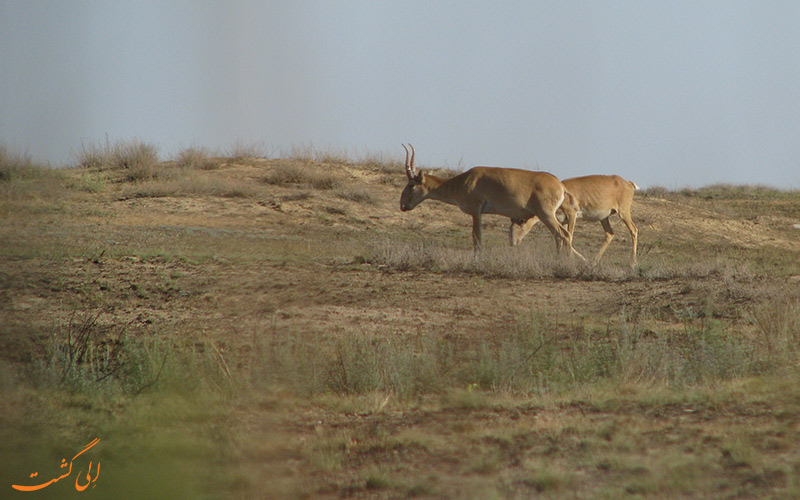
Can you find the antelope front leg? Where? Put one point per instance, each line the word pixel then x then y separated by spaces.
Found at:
pixel 476 232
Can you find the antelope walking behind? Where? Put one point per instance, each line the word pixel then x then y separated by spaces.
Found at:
pixel 594 198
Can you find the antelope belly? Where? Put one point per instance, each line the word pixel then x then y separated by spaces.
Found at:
pixel 594 214
pixel 496 209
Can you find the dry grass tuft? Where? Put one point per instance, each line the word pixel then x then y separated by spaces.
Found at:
pixel 23 180
pixel 499 262
pixel 313 176
pixel 527 358
pixel 241 150
pixel 357 194
pixel 378 162
pixel 196 158
pixel 95 156
pixel 777 321
pixel 308 154
pixel 333 157
pixel 722 192
pixel 139 160
pixel 543 263
pixel 15 165
pixel 191 183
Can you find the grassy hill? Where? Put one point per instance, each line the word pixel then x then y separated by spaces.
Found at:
pixel 239 327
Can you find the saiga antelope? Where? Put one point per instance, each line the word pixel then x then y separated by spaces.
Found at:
pixel 514 193
pixel 594 198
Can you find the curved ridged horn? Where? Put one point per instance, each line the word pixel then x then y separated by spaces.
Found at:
pixel 411 171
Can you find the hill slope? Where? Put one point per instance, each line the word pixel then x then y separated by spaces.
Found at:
pixel 383 356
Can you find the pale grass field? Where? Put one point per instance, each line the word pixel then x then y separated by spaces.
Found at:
pixel 238 326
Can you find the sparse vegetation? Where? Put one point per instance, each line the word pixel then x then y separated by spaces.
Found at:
pixel 84 356
pixel 196 158
pixel 190 183
pixel 276 328
pixel 357 194
pixel 27 185
pixel 15 165
pixel 308 154
pixel 241 150
pixel 138 160
pixel 304 174
pixel 725 192
pixel 528 359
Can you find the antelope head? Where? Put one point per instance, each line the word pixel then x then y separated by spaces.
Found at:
pixel 415 191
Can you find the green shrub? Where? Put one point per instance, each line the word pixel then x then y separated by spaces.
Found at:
pixel 84 355
pixel 530 358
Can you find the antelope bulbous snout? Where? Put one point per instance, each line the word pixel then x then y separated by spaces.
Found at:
pixel 404 208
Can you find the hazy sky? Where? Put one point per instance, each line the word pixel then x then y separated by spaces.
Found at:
pixel 672 93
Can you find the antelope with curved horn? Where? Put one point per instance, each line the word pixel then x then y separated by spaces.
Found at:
pixel 594 198
pixel 517 194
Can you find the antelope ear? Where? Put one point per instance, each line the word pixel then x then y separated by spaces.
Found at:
pixel 418 178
